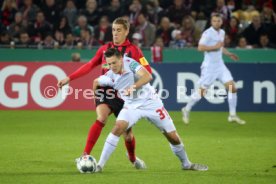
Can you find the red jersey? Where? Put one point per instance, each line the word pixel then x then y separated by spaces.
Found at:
pixel 128 48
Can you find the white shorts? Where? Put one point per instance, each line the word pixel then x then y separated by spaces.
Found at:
pixel 207 77
pixel 154 112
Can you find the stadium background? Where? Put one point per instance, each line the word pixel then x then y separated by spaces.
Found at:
pixel 254 74
pixel 40 139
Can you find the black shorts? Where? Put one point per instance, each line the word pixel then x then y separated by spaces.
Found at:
pixel 108 96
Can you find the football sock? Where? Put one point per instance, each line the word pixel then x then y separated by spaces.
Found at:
pixel 195 97
pixel 93 136
pixel 232 102
pixel 180 152
pixel 109 146
pixel 131 149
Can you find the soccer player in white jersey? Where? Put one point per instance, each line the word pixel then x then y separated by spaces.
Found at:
pixel 132 82
pixel 212 68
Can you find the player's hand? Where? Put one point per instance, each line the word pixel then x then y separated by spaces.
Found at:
pixel 130 90
pixel 63 82
pixel 234 57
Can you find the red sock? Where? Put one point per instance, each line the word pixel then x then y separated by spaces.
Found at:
pixel 93 135
pixel 131 149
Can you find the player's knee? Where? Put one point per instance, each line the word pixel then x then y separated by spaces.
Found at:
pixel 128 136
pixel 119 128
pixel 102 119
pixel 201 93
pixel 173 138
pixel 232 88
pixel 175 141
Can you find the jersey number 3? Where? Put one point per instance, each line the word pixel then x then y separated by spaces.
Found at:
pixel 162 113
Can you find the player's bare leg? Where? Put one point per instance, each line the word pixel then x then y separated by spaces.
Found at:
pixel 195 97
pixel 232 102
pixel 178 148
pixel 130 145
pixel 103 111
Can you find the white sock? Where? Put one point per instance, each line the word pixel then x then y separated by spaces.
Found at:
pixel 232 102
pixel 180 152
pixel 195 97
pixel 109 146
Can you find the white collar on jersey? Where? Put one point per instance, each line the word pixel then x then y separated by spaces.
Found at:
pixel 213 29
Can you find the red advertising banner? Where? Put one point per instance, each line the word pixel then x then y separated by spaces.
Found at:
pixel 30 85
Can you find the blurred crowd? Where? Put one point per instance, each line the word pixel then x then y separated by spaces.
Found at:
pixel 163 23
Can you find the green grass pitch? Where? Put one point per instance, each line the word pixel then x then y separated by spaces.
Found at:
pixel 40 147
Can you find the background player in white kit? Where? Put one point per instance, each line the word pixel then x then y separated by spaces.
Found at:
pixel 213 68
pixel 132 82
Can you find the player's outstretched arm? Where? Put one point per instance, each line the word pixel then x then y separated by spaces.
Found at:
pixel 63 82
pixel 230 54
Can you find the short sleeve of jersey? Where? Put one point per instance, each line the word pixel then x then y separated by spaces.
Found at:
pixel 105 81
pixel 134 66
pixel 204 38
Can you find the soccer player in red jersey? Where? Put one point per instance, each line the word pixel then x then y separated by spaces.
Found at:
pixel 105 106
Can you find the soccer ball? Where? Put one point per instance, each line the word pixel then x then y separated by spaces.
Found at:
pixel 87 164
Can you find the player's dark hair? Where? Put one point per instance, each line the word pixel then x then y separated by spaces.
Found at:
pixel 112 52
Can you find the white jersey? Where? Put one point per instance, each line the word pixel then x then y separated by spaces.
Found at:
pixel 212 59
pixel 126 79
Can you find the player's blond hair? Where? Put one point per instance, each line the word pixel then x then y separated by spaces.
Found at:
pixel 122 21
